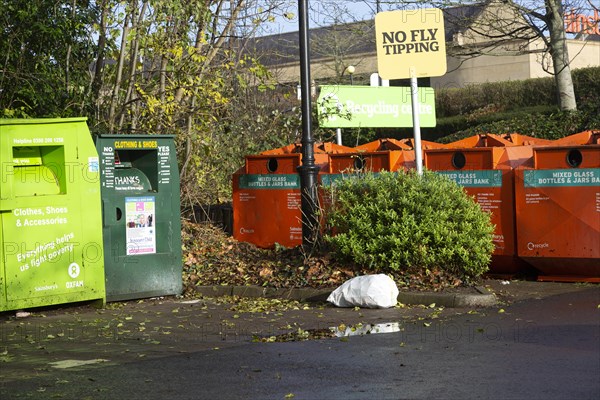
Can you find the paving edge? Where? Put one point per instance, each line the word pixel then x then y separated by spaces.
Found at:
pixel 450 300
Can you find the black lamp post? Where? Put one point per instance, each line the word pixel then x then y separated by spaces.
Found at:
pixel 308 170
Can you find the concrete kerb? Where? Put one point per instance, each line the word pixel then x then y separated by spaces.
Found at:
pixel 451 300
pixel 298 294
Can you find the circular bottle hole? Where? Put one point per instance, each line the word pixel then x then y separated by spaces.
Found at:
pixel 574 158
pixel 119 214
pixel 459 160
pixel 359 163
pixel 272 165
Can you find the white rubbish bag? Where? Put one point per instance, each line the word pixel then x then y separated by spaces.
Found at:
pixel 368 291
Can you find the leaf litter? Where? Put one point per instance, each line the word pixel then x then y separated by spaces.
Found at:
pixel 213 258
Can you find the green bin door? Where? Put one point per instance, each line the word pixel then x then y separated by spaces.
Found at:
pixel 44 255
pixel 142 229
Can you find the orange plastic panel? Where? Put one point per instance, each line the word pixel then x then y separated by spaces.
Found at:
pixel 517 156
pixel 493 191
pixel 461 159
pixel 332 148
pixel 372 161
pixel 382 145
pixel 493 140
pixel 266 209
pixel 267 197
pixel 523 140
pixel 278 164
pixel 425 144
pixel 587 156
pixel 581 138
pixel 466 143
pixel 558 216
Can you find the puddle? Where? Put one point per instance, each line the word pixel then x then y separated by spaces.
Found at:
pixel 340 331
pixel 64 364
pixel 190 302
pixel 365 329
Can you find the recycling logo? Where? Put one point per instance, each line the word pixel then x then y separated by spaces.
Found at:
pixel 74 270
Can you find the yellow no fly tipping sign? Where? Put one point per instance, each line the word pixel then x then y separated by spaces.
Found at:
pixel 410 40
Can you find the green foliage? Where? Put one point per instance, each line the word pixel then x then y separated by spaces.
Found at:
pixel 13 113
pixel 404 222
pixel 151 67
pixel 586 82
pixel 46 54
pixel 247 124
pixel 542 125
pixel 516 95
pixel 527 107
pixel 357 136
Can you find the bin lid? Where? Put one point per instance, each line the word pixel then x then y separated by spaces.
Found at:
pixel 481 140
pixel 425 144
pixel 38 121
pixel 524 140
pixel 318 148
pixel 581 138
pixel 383 145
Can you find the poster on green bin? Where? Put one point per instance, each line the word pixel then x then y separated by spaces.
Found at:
pixel 141 232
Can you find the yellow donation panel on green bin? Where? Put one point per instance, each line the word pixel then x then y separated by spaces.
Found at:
pixel 51 248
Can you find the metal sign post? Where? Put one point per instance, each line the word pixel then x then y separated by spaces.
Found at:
pixel 338 136
pixel 414 97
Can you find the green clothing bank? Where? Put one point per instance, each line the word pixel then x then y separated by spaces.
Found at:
pixel 141 215
pixel 83 220
pixel 51 224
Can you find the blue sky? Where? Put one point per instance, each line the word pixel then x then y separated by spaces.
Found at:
pixel 323 12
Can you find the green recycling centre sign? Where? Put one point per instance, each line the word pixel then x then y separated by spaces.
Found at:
pixel 373 107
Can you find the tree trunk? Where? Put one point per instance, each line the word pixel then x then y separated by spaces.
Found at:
pixel 97 80
pixel 136 25
pixel 560 55
pixel 117 87
pixel 69 51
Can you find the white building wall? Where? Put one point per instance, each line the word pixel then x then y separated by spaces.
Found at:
pixel 488 68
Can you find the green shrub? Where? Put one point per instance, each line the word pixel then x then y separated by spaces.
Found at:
pixel 552 126
pixel 586 82
pixel 515 95
pixel 406 223
pixel 527 107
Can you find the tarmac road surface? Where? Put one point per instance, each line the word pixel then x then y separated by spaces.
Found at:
pixel 537 347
